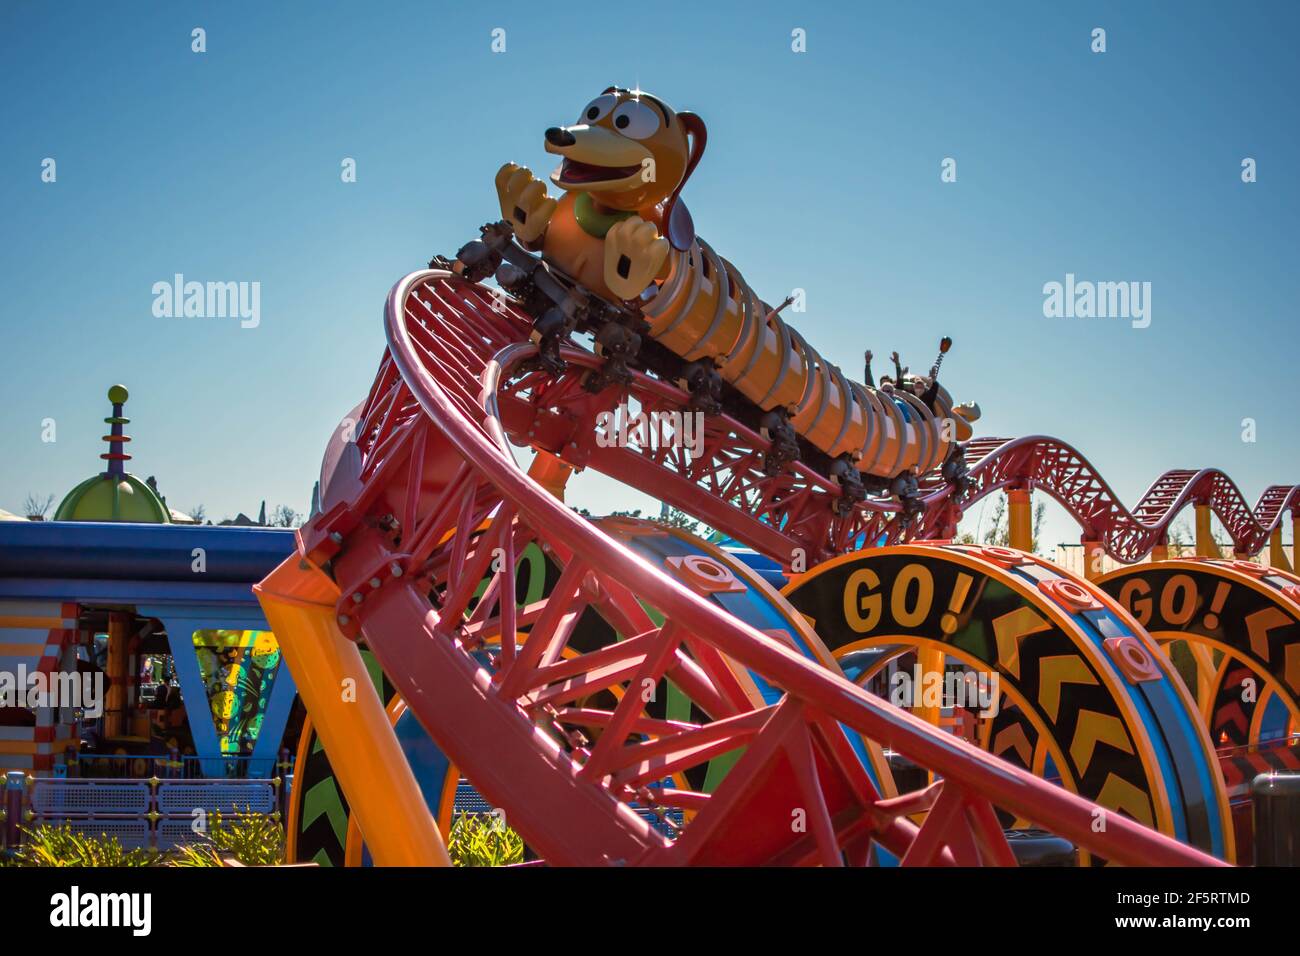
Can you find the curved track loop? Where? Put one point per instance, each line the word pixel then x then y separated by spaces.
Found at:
pixel 793 514
pixel 783 515
pixel 1057 469
pixel 429 459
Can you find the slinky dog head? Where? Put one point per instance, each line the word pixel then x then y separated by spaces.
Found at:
pixel 631 151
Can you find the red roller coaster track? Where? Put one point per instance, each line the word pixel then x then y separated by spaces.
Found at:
pixel 1059 470
pixel 793 512
pixel 431 462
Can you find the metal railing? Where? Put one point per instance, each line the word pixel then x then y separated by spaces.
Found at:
pixel 153 813
pixel 173 765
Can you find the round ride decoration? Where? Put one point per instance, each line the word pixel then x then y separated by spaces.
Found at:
pixel 1085 690
pixel 1241 622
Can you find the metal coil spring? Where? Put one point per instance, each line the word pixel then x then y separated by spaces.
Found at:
pixel 705 309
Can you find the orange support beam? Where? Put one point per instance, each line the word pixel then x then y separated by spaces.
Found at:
pixel 1295 540
pixel 1093 553
pixel 1020 518
pixel 932 661
pixel 1276 551
pixel 1205 544
pixel 550 472
pixel 119 632
pixel 300 601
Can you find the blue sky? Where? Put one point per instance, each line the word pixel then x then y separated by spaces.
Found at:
pixel 822 172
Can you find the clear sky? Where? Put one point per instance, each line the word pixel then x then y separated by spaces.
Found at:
pixel 822 172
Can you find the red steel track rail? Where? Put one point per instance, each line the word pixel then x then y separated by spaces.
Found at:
pixel 793 514
pixel 431 463
pixel 1057 469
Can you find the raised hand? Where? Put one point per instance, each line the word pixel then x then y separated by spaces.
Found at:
pixel 524 203
pixel 634 254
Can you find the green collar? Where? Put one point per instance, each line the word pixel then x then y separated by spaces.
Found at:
pixel 595 223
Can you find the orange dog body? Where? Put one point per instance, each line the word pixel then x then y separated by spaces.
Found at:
pixel 578 252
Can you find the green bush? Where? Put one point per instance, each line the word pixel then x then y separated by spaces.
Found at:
pixel 477 839
pixel 480 839
pixel 253 840
pixel 62 845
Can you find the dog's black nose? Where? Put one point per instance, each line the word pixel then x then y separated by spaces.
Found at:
pixel 560 137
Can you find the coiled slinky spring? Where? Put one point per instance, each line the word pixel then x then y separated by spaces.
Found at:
pixel 705 309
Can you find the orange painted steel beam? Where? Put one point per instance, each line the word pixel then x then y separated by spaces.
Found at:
pixel 299 602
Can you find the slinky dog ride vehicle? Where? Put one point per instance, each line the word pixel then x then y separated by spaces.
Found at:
pixel 619 258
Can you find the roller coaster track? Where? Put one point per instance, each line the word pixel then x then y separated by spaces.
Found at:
pixel 792 515
pixel 1059 470
pixel 428 503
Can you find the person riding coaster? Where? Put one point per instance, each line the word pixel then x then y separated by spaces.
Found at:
pixel 905 485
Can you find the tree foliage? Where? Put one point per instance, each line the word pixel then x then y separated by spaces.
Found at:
pixel 37 508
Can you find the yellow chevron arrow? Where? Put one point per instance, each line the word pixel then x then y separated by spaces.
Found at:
pixel 1259 624
pixel 1292 670
pixel 1055 671
pixel 1010 629
pixel 1094 728
pixel 1014 738
pixel 1118 794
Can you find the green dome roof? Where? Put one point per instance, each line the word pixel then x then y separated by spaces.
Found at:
pixel 114 495
pixel 113 498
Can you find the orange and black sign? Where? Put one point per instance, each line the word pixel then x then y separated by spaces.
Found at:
pixel 1085 698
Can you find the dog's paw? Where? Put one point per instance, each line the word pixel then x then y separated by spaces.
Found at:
pixel 524 202
pixel 634 255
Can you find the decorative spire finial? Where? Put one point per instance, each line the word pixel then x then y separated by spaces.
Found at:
pixel 115 456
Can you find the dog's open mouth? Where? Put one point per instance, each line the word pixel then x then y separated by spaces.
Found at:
pixel 572 171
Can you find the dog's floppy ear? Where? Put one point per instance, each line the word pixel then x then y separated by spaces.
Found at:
pixel 677 218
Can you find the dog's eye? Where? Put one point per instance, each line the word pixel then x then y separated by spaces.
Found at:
pixel 598 108
pixel 636 119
